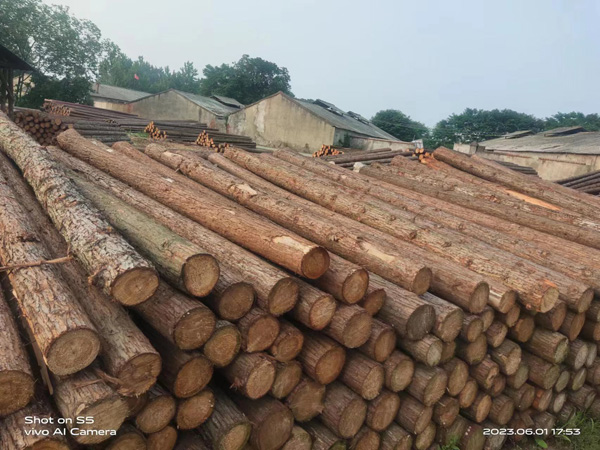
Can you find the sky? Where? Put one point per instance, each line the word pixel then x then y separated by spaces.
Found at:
pixel 427 58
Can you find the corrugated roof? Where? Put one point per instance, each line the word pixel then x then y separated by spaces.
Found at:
pixel 212 105
pixel 8 60
pixel 116 93
pixel 342 120
pixel 583 143
pixel 227 101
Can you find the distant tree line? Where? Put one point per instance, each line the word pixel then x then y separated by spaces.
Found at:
pixel 476 125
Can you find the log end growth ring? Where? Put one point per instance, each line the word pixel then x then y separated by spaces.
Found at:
pixel 236 300
pixel 355 286
pixel 200 274
pixel 315 263
pixel 330 365
pixel 283 296
pixel 479 298
pixel 421 281
pixel 420 322
pixel 357 330
pixel 16 390
pixel 322 312
pixel 73 351
pixel 108 415
pixel 194 329
pixel 139 374
pixel 193 377
pixel 352 418
pixel 260 380
pixel 135 286
pixel 235 438
pixel 223 346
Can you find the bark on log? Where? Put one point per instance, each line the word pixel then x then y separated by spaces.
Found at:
pixel 381 343
pixel 344 411
pixel 350 326
pixel 445 411
pixel 427 350
pixel 423 440
pixel 472 353
pixel 363 375
pixel 412 317
pixel 508 357
pixel 583 397
pixel 194 411
pixel 259 330
pixel 541 372
pixel 213 211
pixel 158 411
pixel 323 438
pixel 480 408
pixel 224 344
pixel 382 410
pixel 306 400
pixel 428 384
pixel 551 346
pixel 593 374
pixel 448 318
pixel 523 329
pixel 542 399
pixel 181 262
pixel 16 377
pixel 272 422
pixel 227 428
pixel 365 439
pixel 86 395
pixel 186 323
pixel 472 328
pixel 448 351
pixel 511 317
pixel 519 378
pixel 13 428
pixel 553 319
pixel 496 334
pixel 414 416
pixel 322 359
pixel 65 335
pixel 591 331
pixel 299 440
pixel 287 377
pixel 346 281
pixel 468 393
pixel 399 370
pixel 485 373
pixel 276 291
pixel 572 325
pixel 288 343
pixel 110 261
pixel 487 316
pixel 251 374
pixel 375 298
pixel 396 438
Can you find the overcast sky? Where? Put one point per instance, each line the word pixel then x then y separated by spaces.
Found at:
pixel 426 58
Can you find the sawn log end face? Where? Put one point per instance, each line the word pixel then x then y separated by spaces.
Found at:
pixel 315 263
pixel 421 281
pixel 73 351
pixel 139 374
pixel 200 274
pixel 135 286
pixel 16 391
pixel 283 297
pixel 355 286
pixel 194 329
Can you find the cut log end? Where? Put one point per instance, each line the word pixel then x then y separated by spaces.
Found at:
pixel 287 377
pixel 236 300
pixel 352 418
pixel 194 329
pixel 156 415
pixel 236 437
pixel 164 439
pixel 261 334
pixel 584 301
pixel 223 346
pixel 357 330
pixel 107 414
pixel 73 351
pixel 194 411
pixel 421 281
pixel 322 312
pixel 200 274
pixel 549 299
pixel 283 296
pixel 385 345
pixel 374 301
pixel 16 391
pixel 435 388
pixel 330 365
pixel 479 298
pixel 355 286
pixel 260 380
pixel 192 377
pixel 135 286
pixel 420 322
pixel 315 263
pixel 139 374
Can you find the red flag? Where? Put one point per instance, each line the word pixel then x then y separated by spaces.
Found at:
pixel 135 76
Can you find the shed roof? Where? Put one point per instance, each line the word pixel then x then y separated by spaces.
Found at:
pixel 210 104
pixel 549 141
pixel 227 101
pixel 8 60
pixel 116 93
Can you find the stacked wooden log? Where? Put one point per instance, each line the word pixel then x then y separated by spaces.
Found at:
pixel 41 126
pixel 77 110
pixel 327 150
pixel 381 156
pixel 588 183
pixel 518 168
pixel 284 302
pixel 220 141
pixel 154 132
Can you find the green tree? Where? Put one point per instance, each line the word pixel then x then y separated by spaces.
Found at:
pixel 591 122
pixel 480 125
pixel 52 40
pixel 400 125
pixel 69 89
pixel 246 80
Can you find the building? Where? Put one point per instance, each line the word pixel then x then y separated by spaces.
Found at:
pixel 178 105
pixel 9 63
pixel 113 97
pixel 283 121
pixel 554 154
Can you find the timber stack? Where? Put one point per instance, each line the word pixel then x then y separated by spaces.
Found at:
pixel 220 141
pixel 588 183
pixel 196 299
pixel 327 150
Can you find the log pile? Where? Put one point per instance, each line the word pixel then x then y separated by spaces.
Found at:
pixel 327 150
pixel 39 125
pixel 186 298
pixel 220 141
pixel 87 112
pixel 588 183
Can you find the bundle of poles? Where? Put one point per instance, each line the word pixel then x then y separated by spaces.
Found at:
pixel 220 141
pixel 327 150
pixel 588 183
pixel 190 299
pixel 76 110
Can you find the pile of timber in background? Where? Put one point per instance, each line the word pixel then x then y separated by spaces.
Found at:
pixel 526 170
pixel 76 110
pixel 220 141
pixel 327 150
pixel 588 183
pixel 445 305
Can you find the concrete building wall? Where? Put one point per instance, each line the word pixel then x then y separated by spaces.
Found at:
pixel 106 104
pixel 172 106
pixel 550 166
pixel 279 122
pixel 367 143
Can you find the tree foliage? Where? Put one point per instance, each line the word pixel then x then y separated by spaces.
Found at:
pixel 69 89
pixel 480 125
pixel 400 125
pixel 591 122
pixel 246 80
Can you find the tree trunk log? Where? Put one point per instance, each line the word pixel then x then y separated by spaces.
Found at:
pixel 194 411
pixel 306 400
pixel 251 374
pixel 542 399
pixel 299 440
pixel 396 438
pixel 322 359
pixel 158 411
pixel 344 411
pixel 523 329
pixel 381 343
pixel 427 350
pixel 468 393
pixel 399 370
pixel 224 344
pixel 288 343
pixel 164 439
pixel 287 377
pixel 472 353
pixel 350 326
pixel 480 408
pixel 572 325
pixel 428 384
pixel 541 372
pixel 365 439
pixel 496 334
pixel 323 438
pixel 458 374
pixel 259 330
pixel 382 410
pixel 346 281
pixel 502 410
pixel 553 319
pixel 472 327
pixel 519 378
pixel 448 318
pixel 445 411
pixel 508 357
pixel 485 373
pixel 551 346
pixel 375 298
pixel 363 375
pixel 414 416
pixel 110 261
